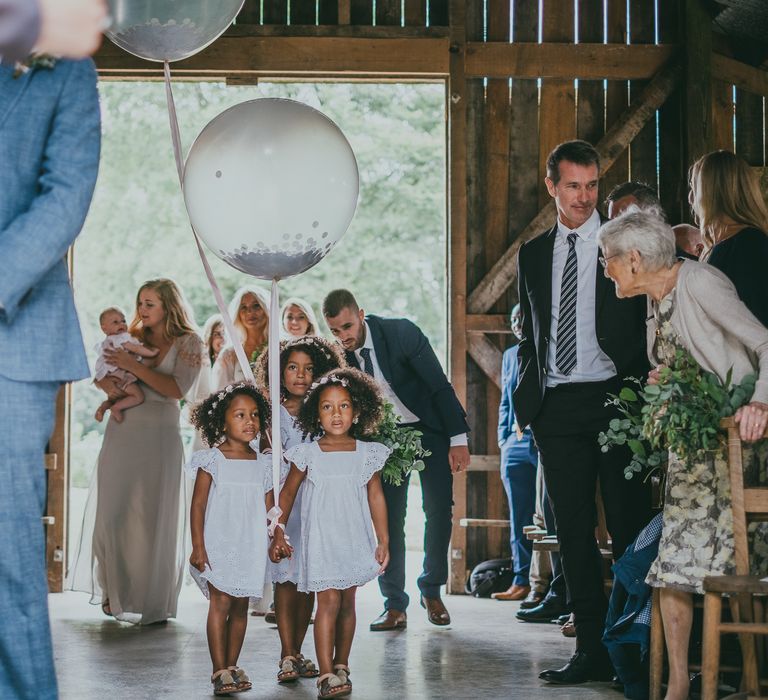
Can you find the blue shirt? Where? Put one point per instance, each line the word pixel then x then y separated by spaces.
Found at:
pixel 517 449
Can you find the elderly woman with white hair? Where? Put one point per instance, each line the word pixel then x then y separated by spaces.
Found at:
pixel 695 307
pixel 249 311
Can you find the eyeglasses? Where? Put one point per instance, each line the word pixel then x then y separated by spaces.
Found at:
pixel 604 261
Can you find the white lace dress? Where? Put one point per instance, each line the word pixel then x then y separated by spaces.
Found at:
pixel 288 569
pixel 338 544
pixel 235 530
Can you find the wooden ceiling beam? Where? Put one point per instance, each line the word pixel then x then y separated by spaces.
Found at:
pixel 741 75
pixel 553 60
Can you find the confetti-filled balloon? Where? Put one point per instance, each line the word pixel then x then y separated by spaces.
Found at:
pixel 169 30
pixel 270 186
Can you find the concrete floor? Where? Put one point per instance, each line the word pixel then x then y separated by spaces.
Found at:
pixel 485 653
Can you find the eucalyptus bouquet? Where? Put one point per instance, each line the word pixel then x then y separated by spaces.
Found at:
pixel 405 443
pixel 681 413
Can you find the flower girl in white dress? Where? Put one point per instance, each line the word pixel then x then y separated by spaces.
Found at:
pixel 301 360
pixel 342 507
pixel 228 520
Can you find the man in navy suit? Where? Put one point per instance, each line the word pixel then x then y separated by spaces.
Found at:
pixel 50 131
pixel 519 461
pixel 399 357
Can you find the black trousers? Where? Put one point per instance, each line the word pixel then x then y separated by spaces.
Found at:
pixel 437 502
pixel 566 431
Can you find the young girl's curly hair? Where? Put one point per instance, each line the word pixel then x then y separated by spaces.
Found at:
pixel 325 356
pixel 366 398
pixel 208 415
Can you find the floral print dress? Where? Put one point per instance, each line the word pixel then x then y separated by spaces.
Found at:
pixel 697 535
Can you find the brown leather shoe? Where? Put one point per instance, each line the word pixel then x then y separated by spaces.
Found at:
pixel 512 593
pixel 437 613
pixel 390 620
pixel 533 600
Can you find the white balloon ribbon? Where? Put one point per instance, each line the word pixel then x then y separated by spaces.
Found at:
pixel 245 366
pixel 274 320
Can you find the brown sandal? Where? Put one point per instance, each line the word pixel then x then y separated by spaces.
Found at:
pixel 329 685
pixel 307 668
pixel 223 682
pixel 289 670
pixel 241 678
pixel 343 673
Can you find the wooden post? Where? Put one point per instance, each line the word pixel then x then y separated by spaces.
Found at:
pixel 457 228
pixel 698 80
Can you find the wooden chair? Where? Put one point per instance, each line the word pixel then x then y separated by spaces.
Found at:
pixel 746 594
pixel 757 505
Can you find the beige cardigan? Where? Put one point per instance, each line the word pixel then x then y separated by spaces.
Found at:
pixel 716 327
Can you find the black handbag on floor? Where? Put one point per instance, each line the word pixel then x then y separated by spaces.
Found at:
pixel 492 576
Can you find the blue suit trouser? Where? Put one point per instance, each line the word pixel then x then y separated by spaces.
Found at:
pixel 437 502
pixel 519 479
pixel 27 412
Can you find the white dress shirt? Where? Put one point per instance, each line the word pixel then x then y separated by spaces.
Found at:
pixel 406 416
pixel 592 364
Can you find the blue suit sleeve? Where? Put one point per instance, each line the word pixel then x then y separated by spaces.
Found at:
pixel 505 407
pixel 424 362
pixel 19 28
pixel 38 238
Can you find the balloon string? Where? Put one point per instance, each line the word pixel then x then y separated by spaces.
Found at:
pixel 274 391
pixel 234 336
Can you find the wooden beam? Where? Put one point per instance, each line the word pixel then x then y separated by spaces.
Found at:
pixel 488 323
pixel 698 80
pixel 741 75
pixel 496 59
pixel 615 141
pixel 487 356
pixel 427 56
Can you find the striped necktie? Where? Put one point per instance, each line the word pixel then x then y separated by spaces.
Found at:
pixel 365 353
pixel 565 352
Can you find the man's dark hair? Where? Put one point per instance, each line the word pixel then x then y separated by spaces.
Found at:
pixel 644 194
pixel 337 300
pixel 579 152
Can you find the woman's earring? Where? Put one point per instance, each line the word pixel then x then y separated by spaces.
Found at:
pixel 355 420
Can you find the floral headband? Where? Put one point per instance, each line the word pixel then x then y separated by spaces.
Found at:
pixel 314 342
pixel 327 379
pixel 230 388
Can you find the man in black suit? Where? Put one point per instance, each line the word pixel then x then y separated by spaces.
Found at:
pixel 399 357
pixel 579 341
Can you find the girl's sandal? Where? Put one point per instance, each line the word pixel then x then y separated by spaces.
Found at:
pixel 307 668
pixel 106 609
pixel 289 670
pixel 329 685
pixel 223 682
pixel 343 673
pixel 241 678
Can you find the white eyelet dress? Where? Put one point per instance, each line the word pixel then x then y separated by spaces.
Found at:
pixel 288 569
pixel 235 531
pixel 338 545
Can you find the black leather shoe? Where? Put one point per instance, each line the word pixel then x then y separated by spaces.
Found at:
pixel 533 599
pixel 582 668
pixel 546 612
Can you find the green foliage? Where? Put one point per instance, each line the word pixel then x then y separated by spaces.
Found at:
pixel 407 453
pixel 393 256
pixel 681 414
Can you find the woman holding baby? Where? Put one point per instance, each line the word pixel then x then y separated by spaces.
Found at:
pixel 133 566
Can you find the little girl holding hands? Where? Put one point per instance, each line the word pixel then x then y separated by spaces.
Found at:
pixel 301 360
pixel 337 551
pixel 229 521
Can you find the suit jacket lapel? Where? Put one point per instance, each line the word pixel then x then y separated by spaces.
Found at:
pixel 544 282
pixel 602 284
pixel 11 90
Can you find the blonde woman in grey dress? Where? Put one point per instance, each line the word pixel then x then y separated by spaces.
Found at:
pixel 695 307
pixel 133 566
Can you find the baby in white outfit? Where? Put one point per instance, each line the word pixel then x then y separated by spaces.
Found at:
pixel 112 322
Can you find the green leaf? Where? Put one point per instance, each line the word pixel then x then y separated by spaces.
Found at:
pixel 627 394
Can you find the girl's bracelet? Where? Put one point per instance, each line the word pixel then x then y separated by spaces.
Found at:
pixel 279 525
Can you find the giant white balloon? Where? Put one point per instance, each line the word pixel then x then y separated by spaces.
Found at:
pixel 270 186
pixel 169 30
